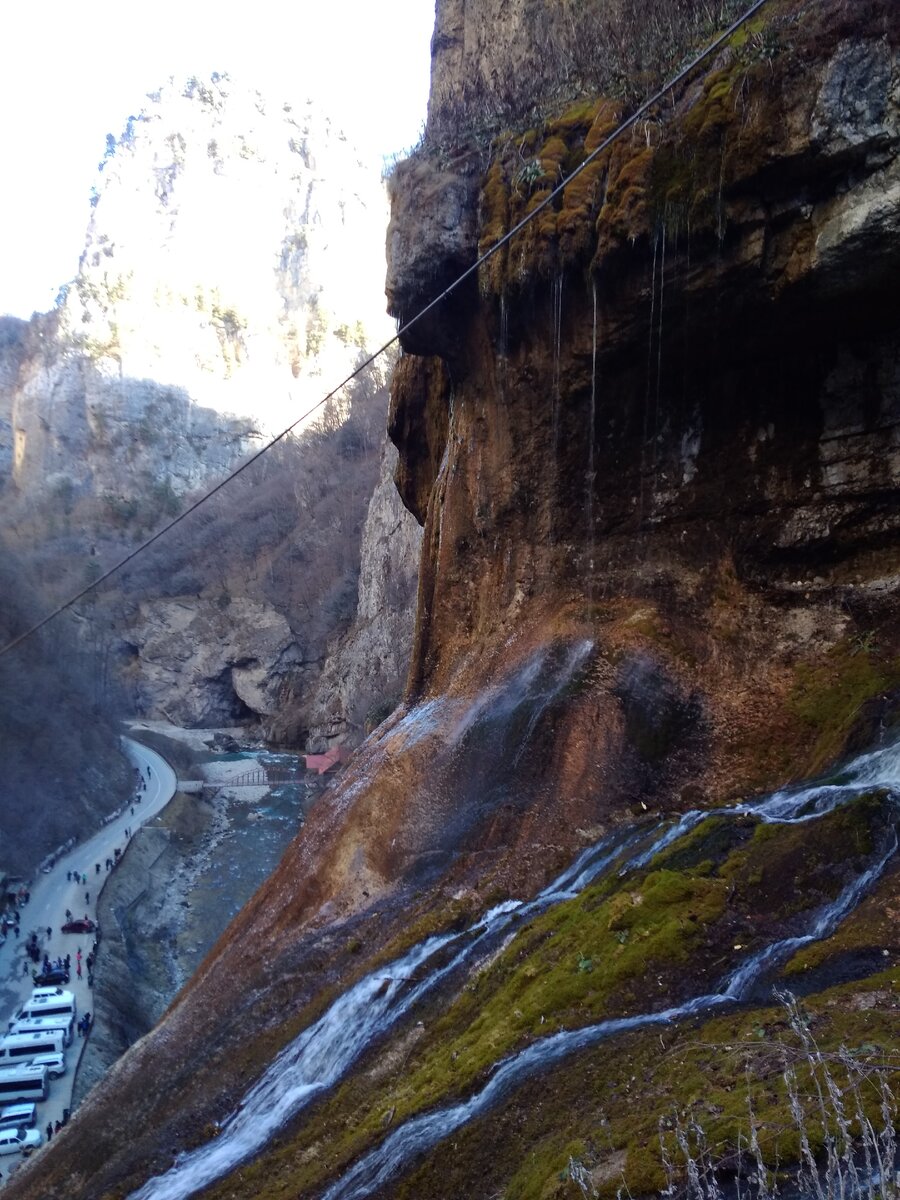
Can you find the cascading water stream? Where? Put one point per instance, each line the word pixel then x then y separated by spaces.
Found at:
pixel 320 1056
pixel 424 1132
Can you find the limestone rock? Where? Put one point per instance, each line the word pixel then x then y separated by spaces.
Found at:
pixel 205 664
pixel 363 677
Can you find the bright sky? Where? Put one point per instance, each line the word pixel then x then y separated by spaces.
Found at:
pixel 71 72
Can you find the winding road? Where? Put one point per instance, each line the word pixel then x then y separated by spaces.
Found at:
pixel 53 893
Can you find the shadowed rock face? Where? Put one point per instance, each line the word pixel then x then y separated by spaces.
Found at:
pixel 655 454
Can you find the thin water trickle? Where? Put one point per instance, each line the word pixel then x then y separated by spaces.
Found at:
pixel 645 426
pixel 503 346
pixel 321 1055
pixel 556 309
pixel 592 433
pixel 659 351
pixel 575 659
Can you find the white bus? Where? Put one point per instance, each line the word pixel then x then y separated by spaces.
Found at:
pixel 21 1047
pixel 57 1004
pixel 23 1083
pixel 62 1023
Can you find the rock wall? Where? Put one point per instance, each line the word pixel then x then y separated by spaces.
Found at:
pixel 123 449
pixel 207 664
pixel 167 290
pixel 364 675
pixel 111 393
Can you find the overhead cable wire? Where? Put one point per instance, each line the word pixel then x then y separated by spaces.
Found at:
pixel 627 124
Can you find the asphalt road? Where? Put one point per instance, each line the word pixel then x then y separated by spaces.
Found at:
pixel 52 894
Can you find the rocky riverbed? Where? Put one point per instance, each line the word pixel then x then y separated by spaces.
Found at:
pixel 183 878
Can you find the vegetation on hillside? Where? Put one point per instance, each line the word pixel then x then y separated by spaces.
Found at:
pixel 62 768
pixel 590 47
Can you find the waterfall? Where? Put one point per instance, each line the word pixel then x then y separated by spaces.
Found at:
pixel 322 1054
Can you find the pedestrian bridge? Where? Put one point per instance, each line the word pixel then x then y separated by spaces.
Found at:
pixel 259 777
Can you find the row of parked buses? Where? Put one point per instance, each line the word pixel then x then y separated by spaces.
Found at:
pixel 31 1054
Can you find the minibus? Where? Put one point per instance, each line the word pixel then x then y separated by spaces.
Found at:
pixel 17 1116
pixel 58 1004
pixel 45 1025
pixel 20 1047
pixel 23 1083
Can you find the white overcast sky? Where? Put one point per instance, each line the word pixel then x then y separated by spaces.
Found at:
pixel 72 71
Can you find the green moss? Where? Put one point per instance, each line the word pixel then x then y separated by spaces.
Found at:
pixel 607 120
pixel 540 982
pixel 827 696
pixel 494 222
pixel 589 957
pixel 624 214
pixel 552 155
pixel 575 223
pixel 717 836
pixel 576 120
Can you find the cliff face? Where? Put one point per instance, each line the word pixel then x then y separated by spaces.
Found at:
pixel 229 241
pixel 171 314
pixel 81 435
pixel 364 673
pixel 232 252
pixel 654 447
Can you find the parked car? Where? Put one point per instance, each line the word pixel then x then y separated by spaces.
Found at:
pixel 79 925
pixel 55 1064
pixel 14 1140
pixel 54 975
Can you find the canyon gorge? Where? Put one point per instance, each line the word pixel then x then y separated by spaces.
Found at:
pixel 165 364
pixel 643 769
